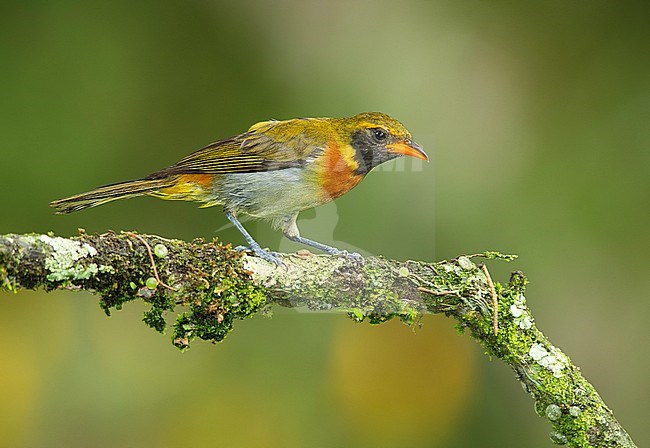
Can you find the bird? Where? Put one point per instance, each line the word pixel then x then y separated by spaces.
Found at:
pixel 273 171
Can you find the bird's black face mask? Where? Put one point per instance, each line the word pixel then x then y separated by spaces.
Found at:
pixel 370 148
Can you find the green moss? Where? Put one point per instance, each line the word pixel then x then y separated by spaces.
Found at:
pixel 546 373
pixel 574 429
pixel 495 255
pixel 548 369
pixel 155 318
pixel 211 318
pixel 5 283
pixel 212 298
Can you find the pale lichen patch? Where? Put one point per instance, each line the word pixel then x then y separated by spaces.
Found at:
pixel 520 313
pixel 554 360
pixel 553 412
pixel 465 263
pixel 321 282
pixel 262 270
pixel 63 261
pixel 558 438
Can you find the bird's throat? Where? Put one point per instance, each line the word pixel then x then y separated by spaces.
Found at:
pixel 338 171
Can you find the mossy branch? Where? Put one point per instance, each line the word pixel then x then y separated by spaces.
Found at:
pixel 214 285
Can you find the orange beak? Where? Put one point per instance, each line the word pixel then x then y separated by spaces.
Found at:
pixel 408 148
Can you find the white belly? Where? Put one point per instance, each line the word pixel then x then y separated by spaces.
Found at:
pixel 269 194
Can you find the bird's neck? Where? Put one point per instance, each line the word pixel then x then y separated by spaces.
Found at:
pixel 337 170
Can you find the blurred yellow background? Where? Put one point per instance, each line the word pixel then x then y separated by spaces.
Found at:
pixel 536 118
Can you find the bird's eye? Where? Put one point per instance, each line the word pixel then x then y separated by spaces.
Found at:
pixel 379 134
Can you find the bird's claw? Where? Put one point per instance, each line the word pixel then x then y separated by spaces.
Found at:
pixel 352 255
pixel 271 257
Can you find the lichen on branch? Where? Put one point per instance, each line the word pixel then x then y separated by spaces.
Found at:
pixel 212 285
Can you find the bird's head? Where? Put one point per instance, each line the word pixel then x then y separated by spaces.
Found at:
pixel 377 138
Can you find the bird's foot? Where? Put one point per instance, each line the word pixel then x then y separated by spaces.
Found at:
pixel 256 249
pixel 344 253
pixel 327 249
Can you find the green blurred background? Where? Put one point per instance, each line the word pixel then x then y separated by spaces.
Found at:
pixel 535 115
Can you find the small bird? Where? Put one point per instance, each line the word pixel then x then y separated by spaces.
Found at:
pixel 273 171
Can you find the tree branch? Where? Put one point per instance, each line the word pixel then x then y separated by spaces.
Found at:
pixel 214 285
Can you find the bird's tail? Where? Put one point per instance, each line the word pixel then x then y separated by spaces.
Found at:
pixel 109 193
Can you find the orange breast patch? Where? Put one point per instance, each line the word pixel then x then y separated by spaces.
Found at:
pixel 337 174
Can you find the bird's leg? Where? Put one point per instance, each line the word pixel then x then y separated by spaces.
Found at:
pixel 291 232
pixel 252 244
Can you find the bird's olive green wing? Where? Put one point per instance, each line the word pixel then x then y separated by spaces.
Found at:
pixel 267 146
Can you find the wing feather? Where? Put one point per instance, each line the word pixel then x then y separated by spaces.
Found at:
pixel 267 146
